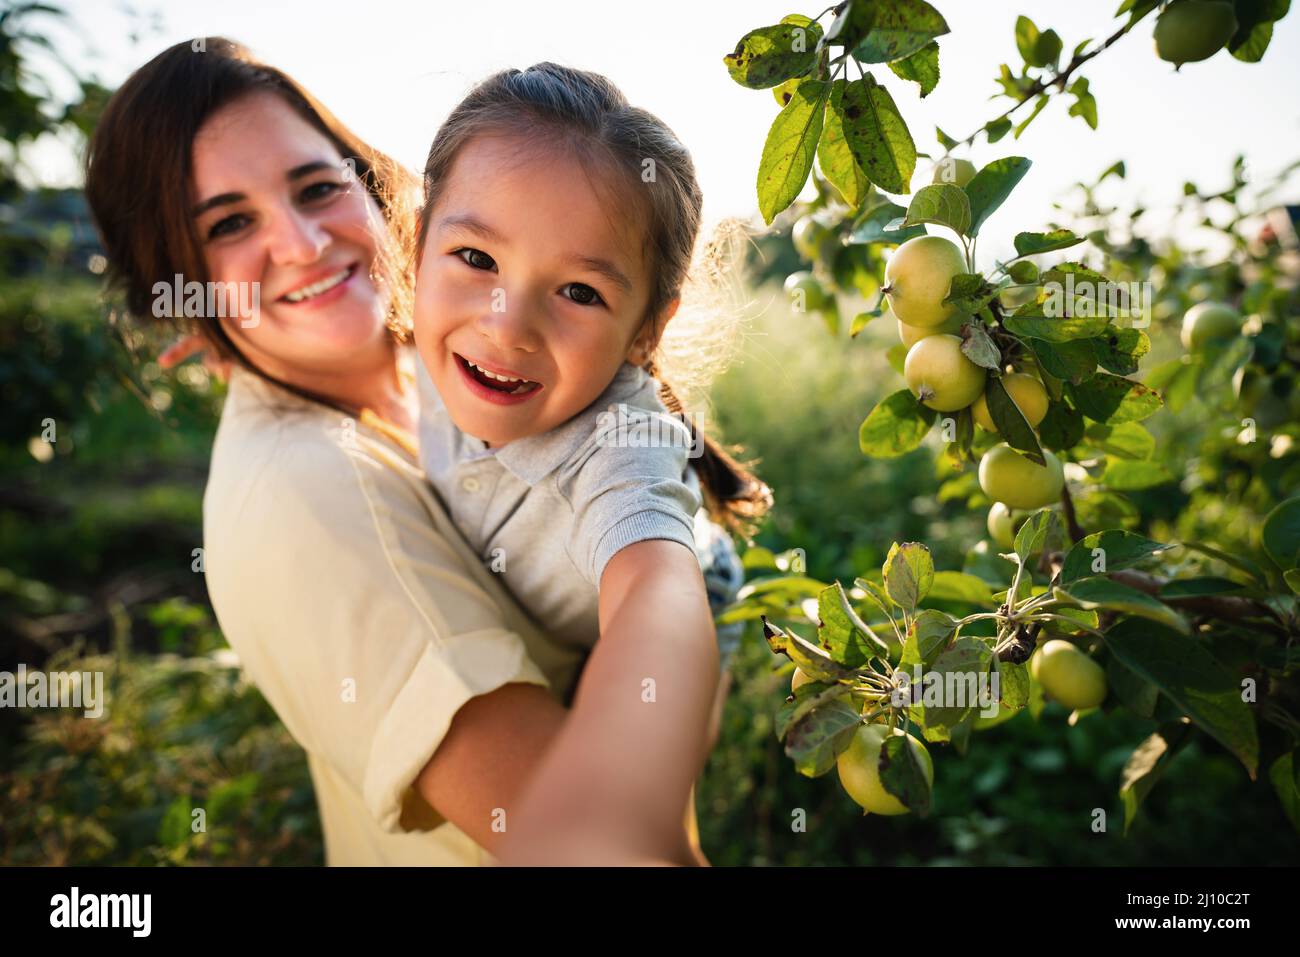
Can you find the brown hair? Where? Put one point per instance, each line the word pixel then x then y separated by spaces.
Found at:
pixel 589 115
pixel 139 167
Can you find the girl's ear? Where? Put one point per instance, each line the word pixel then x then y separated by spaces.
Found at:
pixel 647 340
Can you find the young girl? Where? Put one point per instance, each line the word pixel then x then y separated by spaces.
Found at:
pixel 556 234
pixel 555 238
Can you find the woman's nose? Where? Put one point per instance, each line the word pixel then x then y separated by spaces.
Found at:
pixel 296 239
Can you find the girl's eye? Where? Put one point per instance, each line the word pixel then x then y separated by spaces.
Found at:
pixel 476 258
pixel 583 294
pixel 227 226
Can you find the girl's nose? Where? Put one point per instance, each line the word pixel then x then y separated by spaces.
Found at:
pixel 296 239
pixel 511 322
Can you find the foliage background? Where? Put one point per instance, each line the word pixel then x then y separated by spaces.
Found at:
pixel 96 545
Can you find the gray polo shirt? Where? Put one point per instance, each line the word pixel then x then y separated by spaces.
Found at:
pixel 548 511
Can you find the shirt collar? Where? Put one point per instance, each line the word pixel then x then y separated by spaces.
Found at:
pixel 534 457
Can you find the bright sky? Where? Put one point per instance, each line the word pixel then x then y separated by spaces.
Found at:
pixel 393 74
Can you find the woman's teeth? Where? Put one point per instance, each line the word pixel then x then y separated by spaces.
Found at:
pixel 316 288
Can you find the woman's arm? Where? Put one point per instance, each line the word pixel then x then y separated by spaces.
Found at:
pixel 616 783
pixel 495 743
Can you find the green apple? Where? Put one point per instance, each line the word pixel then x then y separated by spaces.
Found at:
pixel 1189 31
pixel 1068 675
pixel 1206 322
pixel 813 239
pixel 1007 476
pixel 940 375
pixel 918 277
pixel 805 292
pixel 1002 524
pixel 955 172
pixel 859 769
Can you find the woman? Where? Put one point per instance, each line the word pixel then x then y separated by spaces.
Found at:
pixel 422 694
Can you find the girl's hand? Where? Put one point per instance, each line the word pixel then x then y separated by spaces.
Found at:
pixel 190 345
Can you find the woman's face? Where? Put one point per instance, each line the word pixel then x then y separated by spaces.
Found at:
pixel 275 205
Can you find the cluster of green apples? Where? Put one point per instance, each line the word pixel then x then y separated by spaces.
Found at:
pixel 917 279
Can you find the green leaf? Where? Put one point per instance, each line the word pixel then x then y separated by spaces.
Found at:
pixel 1146 764
pixel 909 572
pixel 896 425
pixel 1129 475
pixel 1071 361
pixel 902 773
pixel 1114 399
pixel 816 740
pixel 1119 549
pixel 1131 689
pixel 848 645
pixel 1284 775
pixel 878 135
pixel 978 346
pixel 990 187
pixel 1119 350
pixel 1255 19
pixel 1239 562
pixel 958 586
pixel 769 56
pixel 965 661
pixel 946 141
pixel 927 637
pixel 899 28
pixel 943 204
pixel 994 130
pixel 1061 428
pixel 921 67
pixel 1101 592
pixel 1040 530
pixel 1039 105
pixel 812 660
pixel 871 225
pixel 1085 104
pixel 834 155
pixel 970 292
pixel 1128 440
pixel 1027 41
pixel 1057 330
pixel 1194 680
pixel 1197 587
pixel 1292 579
pixel 1281 534
pixel 174 829
pixel 1013 683
pixel 1011 422
pixel 1030 244
pixel 790 147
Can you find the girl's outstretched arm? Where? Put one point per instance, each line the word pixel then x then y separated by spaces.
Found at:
pixel 614 783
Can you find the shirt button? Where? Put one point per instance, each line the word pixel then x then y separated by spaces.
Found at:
pixel 470 484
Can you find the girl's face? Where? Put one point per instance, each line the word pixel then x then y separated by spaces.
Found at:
pixel 275 205
pixel 531 289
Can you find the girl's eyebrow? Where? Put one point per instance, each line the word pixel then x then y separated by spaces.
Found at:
pixel 596 264
pixel 226 199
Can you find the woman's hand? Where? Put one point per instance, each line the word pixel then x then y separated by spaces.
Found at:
pixel 190 345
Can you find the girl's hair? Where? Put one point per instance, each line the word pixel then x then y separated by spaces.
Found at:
pixel 587 114
pixel 139 168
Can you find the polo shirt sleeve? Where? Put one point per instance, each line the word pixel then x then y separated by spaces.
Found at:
pixel 354 610
pixel 628 485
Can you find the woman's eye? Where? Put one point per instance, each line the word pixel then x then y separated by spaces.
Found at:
pixel 476 258
pixel 320 190
pixel 583 294
pixel 224 227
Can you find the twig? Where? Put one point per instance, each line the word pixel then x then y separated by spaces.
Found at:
pixel 1058 80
